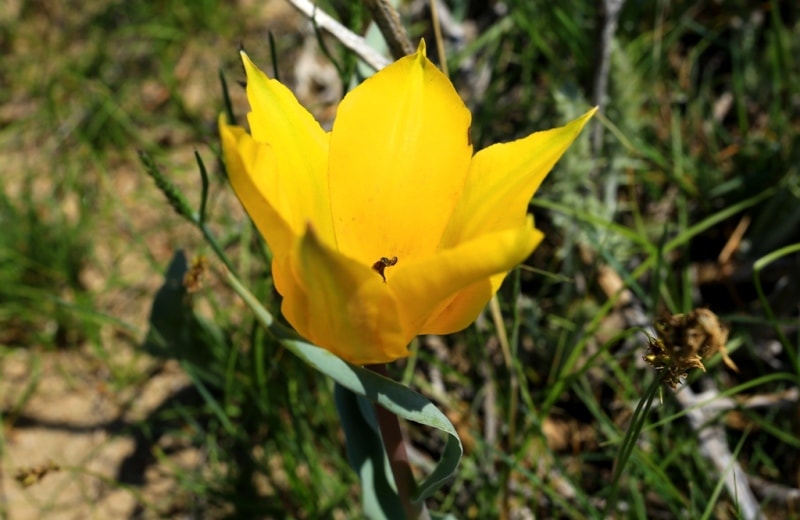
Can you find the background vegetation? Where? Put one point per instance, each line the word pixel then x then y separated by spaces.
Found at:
pixel 688 194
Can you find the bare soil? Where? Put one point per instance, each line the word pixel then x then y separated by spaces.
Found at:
pixel 70 414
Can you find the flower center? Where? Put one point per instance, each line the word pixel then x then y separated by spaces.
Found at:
pixel 381 265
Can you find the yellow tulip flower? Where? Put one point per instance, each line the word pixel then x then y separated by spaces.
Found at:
pixel 387 226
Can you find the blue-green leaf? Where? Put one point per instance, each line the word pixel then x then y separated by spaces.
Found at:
pixel 367 456
pixel 398 399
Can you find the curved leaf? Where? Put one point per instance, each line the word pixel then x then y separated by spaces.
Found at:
pixel 393 396
pixel 367 456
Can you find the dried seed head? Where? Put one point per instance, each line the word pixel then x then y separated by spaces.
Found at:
pixel 683 340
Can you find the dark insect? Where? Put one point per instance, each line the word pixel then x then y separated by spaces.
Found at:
pixel 381 265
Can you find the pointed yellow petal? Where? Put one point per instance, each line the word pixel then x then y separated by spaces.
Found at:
pixel 398 160
pixel 425 287
pixel 342 306
pixel 243 156
pixel 297 185
pixel 458 312
pixel 503 178
pixel 244 160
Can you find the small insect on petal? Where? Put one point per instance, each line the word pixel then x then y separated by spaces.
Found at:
pixel 381 265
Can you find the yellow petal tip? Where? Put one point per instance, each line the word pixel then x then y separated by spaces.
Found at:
pixel 421 49
pixel 249 66
pixel 581 121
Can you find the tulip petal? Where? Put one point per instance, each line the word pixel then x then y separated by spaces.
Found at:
pixel 243 157
pixel 503 178
pixel 297 185
pixel 466 274
pixel 399 156
pixel 343 306
pixel 458 312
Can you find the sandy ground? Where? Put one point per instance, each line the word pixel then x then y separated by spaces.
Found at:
pixel 77 409
pixel 74 421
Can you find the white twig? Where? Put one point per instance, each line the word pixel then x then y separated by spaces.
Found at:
pixel 784 495
pixel 714 448
pixel 347 37
pixel 713 404
pixel 610 15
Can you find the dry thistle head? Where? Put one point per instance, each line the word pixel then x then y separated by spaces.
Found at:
pixel 683 340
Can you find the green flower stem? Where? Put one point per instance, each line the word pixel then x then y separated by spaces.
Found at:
pixel 182 206
pixel 389 425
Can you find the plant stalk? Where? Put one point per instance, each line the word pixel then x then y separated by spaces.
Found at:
pixel 395 447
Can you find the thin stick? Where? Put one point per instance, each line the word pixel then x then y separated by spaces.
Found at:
pixel 388 21
pixel 395 448
pixel 609 15
pixel 714 447
pixel 347 37
pixel 734 241
pixel 513 403
pixel 437 31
